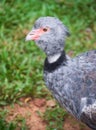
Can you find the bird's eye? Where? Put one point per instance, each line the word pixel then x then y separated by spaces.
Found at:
pixel 45 29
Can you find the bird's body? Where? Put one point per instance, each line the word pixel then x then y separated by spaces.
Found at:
pixel 73 84
pixel 71 81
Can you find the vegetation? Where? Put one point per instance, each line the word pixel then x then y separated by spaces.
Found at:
pixel 18 124
pixel 21 63
pixel 55 118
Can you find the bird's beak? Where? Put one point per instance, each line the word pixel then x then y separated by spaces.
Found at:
pixel 34 34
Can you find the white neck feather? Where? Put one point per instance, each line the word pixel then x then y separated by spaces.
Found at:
pixel 54 58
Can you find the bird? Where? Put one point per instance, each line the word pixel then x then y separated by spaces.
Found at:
pixel 72 81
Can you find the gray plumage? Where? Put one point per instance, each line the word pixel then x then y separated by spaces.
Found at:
pixel 73 81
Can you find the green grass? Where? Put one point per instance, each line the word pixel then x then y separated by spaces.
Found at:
pixel 18 124
pixel 21 63
pixel 54 118
pixel 12 125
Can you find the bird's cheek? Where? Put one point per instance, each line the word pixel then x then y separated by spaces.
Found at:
pixel 39 43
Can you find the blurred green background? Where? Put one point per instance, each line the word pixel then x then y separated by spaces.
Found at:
pixel 21 63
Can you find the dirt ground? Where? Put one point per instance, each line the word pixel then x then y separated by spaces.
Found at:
pixel 28 108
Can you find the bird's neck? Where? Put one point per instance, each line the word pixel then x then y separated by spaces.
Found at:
pixel 54 58
pixel 59 59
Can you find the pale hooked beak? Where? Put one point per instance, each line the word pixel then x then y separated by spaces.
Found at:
pixel 34 34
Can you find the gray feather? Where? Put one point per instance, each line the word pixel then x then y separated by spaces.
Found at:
pixel 74 86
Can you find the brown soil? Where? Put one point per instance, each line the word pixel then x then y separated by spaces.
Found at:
pixel 29 109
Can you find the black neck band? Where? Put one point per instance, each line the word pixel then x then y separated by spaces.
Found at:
pixel 52 66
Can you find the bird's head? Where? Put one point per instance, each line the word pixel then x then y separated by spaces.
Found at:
pixel 49 33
